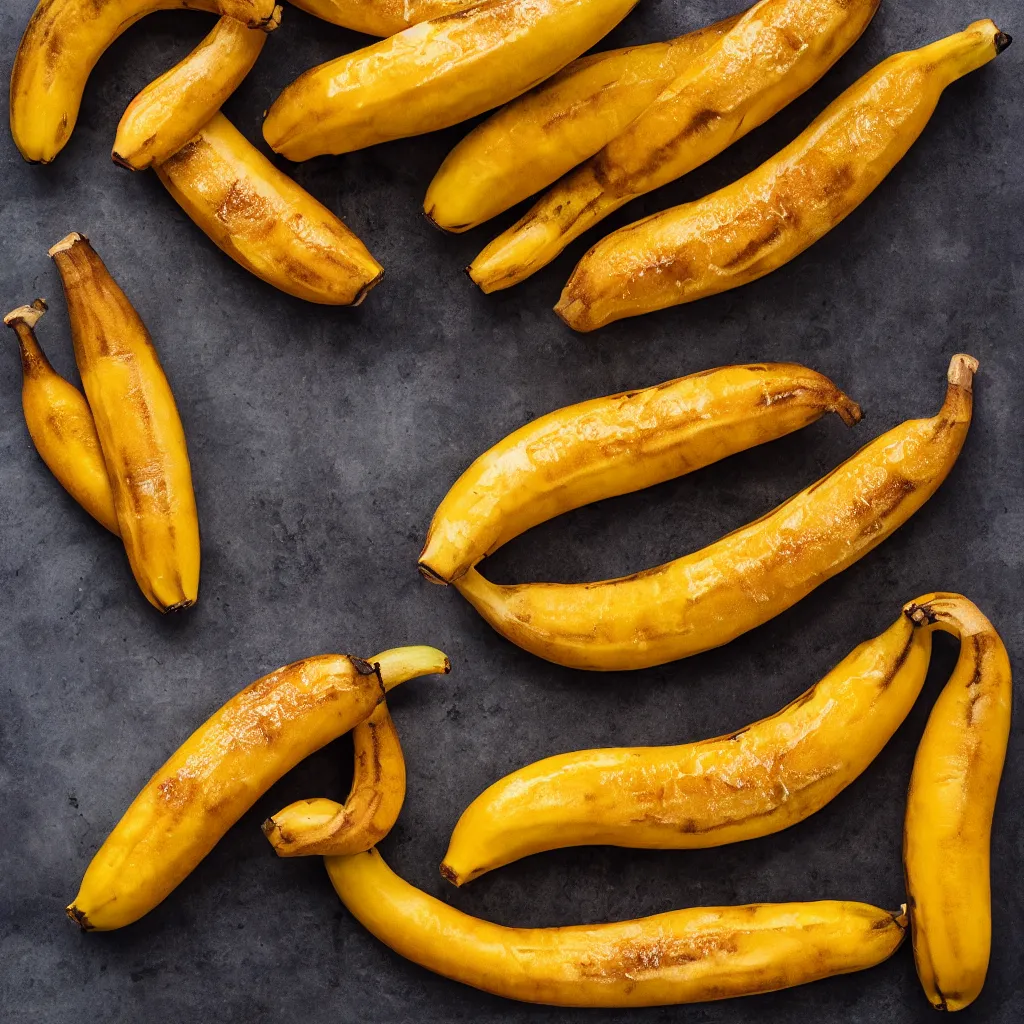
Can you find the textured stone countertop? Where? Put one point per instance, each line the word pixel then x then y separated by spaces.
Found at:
pixel 322 440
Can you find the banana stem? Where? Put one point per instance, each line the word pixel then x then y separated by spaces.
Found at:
pixel 400 664
pixel 23 321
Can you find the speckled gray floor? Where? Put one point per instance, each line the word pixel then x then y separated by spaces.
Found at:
pixel 322 440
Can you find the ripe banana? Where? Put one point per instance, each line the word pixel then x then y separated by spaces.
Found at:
pixel 751 783
pixel 224 767
pixel 265 221
pixel 683 956
pixel 61 45
pixel 537 138
pixel 138 426
pixel 949 808
pixel 434 74
pixel 768 217
pixel 615 445
pixel 741 581
pixel 775 52
pixel 321 826
pixel 60 423
pixel 169 111
pixel 381 17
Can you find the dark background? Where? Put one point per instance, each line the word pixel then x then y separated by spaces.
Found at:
pixel 322 440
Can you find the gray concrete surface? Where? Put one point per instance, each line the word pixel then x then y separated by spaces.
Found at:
pixel 321 442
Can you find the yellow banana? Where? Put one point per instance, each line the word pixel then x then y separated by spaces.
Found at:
pixel 537 138
pixel 61 45
pixel 683 956
pixel 224 767
pixel 381 17
pixel 60 423
pixel 434 74
pixel 949 808
pixel 320 826
pixel 138 426
pixel 169 111
pixel 750 783
pixel 265 221
pixel 775 52
pixel 768 217
pixel 615 445
pixel 741 581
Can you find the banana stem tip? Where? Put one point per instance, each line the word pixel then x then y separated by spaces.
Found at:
pixel 28 315
pixel 962 369
pixel 68 242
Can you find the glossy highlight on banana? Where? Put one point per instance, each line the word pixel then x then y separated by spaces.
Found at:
pixel 772 55
pixel 749 783
pixel 434 75
pixel 138 427
pixel 381 17
pixel 60 423
pixel 683 956
pixel 766 218
pixel 169 111
pixel 534 140
pixel 950 805
pixel 61 45
pixel 710 597
pixel 224 767
pixel 266 222
pixel 618 444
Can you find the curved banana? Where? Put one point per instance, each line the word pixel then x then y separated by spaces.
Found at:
pixel 265 221
pixel 537 138
pixel 60 423
pixel 434 74
pixel 741 581
pixel 683 956
pixel 169 111
pixel 751 783
pixel 61 45
pixel 949 808
pixel 224 767
pixel 381 17
pixel 321 826
pixel 768 217
pixel 772 55
pixel 138 426
pixel 615 445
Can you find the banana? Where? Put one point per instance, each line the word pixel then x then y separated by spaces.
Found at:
pixel 949 808
pixel 224 767
pixel 435 74
pixel 615 445
pixel 381 17
pixel 757 224
pixel 773 54
pixel 265 221
pixel 751 783
pixel 138 426
pixel 60 423
pixel 321 826
pixel 169 111
pixel 537 138
pixel 741 581
pixel 683 956
pixel 61 45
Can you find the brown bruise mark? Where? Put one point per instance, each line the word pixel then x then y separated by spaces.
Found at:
pixel 753 247
pixel 633 958
pixel 899 663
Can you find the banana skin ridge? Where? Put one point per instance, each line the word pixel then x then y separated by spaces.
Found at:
pixel 710 597
pixel 750 783
pixel 61 45
pixel 950 805
pixel 766 218
pixel 683 956
pixel 224 767
pixel 774 53
pixel 617 444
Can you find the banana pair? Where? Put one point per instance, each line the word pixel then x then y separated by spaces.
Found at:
pixel 120 449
